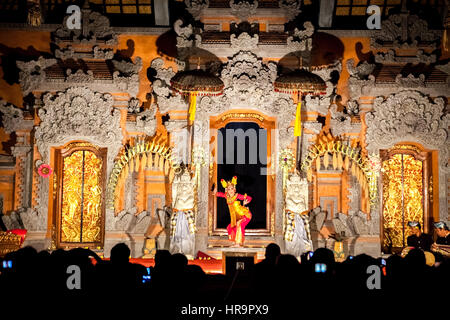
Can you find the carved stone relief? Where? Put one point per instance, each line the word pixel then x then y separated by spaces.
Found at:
pixel 411 116
pixel 195 7
pixel 404 31
pixel 390 57
pixel 13 118
pixel 32 72
pixel 301 40
pixel 291 8
pixel 165 99
pixel 244 41
pixel 342 122
pixel 77 113
pixel 95 28
pixel 243 9
pixel 322 103
pixel 184 34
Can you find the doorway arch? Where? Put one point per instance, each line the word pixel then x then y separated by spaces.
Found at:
pixel 405 193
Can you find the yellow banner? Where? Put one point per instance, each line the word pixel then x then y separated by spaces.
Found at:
pixel 192 106
pixel 298 120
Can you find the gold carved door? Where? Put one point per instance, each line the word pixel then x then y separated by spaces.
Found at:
pixel 404 197
pixel 80 207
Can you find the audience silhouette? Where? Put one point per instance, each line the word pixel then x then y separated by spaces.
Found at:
pixel 280 280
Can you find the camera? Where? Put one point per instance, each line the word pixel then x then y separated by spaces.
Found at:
pixel 146 277
pixel 320 268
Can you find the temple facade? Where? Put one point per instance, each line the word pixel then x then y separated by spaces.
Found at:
pixel 95 138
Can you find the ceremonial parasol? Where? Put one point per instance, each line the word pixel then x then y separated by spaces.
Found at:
pixel 196 83
pixel 301 82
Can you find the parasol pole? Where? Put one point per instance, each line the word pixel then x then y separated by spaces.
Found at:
pixel 191 115
pixel 298 122
pixel 298 128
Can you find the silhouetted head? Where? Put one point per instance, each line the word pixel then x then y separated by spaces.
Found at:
pixel 162 258
pixel 178 262
pixel 120 254
pixel 272 252
pixel 415 258
pixel 323 255
pixel 287 263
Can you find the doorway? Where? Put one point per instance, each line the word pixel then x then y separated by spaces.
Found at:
pixel 80 200
pixel 242 152
pixel 404 194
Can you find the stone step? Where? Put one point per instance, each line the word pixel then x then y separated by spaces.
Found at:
pixel 216 252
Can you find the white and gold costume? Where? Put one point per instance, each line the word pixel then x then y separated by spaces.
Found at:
pixel 182 221
pixel 297 236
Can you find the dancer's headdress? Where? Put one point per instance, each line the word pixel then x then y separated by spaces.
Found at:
pixel 226 183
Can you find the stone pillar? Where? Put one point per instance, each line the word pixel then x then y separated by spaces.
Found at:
pixel 22 151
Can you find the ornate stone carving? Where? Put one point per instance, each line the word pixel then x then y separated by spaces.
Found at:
pixel 404 31
pixel 95 28
pixel 146 121
pixel 444 68
pixel 352 108
pixel 127 76
pixel 342 225
pixel 79 76
pixel 195 7
pixel 12 220
pixel 301 40
pixel 97 53
pixel 407 116
pixel 243 9
pixel 362 71
pixel 410 81
pixel 78 113
pixel 134 105
pixel 184 34
pixel 341 122
pixel 32 73
pixel 13 118
pixel 27 218
pixel 249 84
pixel 244 41
pixel 317 218
pixel 354 224
pixel 32 77
pixel 354 196
pixel 411 116
pixel 161 88
pixel 128 68
pixel 296 198
pixel 130 221
pixel 291 8
pixel 391 57
pixel 322 103
pixel 360 77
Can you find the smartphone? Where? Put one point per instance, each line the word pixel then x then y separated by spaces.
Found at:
pixel 350 257
pixel 310 254
pixel 320 268
pixel 383 261
pixel 7 264
pixel 146 277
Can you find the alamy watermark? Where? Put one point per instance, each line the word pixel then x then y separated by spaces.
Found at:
pixel 374 280
pixel 73 22
pixel 74 279
pixel 374 20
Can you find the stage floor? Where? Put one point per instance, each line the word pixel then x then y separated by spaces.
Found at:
pixel 212 266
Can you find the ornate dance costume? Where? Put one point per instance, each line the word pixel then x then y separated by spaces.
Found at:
pixel 182 221
pixel 240 215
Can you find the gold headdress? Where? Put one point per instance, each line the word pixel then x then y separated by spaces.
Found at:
pixel 226 183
